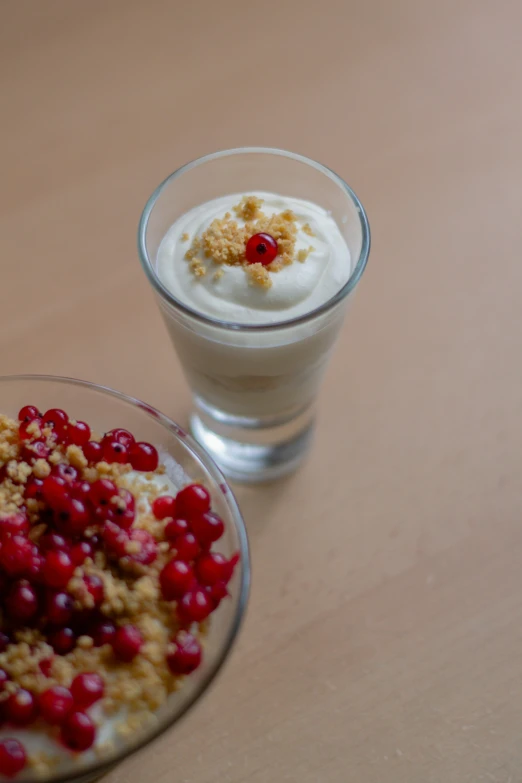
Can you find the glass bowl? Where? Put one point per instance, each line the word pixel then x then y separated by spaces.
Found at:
pixel 105 409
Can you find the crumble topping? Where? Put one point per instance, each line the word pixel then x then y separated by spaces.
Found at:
pixel 258 275
pixel 224 241
pixel 249 208
pixel 304 253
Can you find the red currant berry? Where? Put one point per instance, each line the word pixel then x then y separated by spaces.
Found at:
pixel 59 608
pixel 78 433
pixel 94 587
pixel 186 546
pixel 148 550
pixel 93 451
pixel 28 413
pixel 13 525
pixel 120 435
pixel 183 653
pixel 33 488
pixel 57 569
pixel 115 452
pixel 53 541
pixel 86 688
pixel 12 757
pixel 80 552
pixel 103 633
pixel 62 641
pixel 102 491
pixel 164 506
pixel 16 555
pixel 208 528
pixel 33 451
pixel 261 249
pixel 21 708
pixel 81 490
pixel 127 642
pixel 212 568
pixel 122 509
pixel 192 501
pixel 21 601
pixel 55 704
pixel 78 731
pixel 66 472
pixel 144 457
pixel 71 516
pixel 175 578
pixel 54 490
pixel 175 528
pixel 216 593
pixel 115 540
pixel 55 418
pixel 194 607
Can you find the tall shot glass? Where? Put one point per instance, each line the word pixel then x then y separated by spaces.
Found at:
pixel 254 386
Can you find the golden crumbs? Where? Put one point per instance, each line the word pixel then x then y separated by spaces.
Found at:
pixel 303 254
pixel 225 240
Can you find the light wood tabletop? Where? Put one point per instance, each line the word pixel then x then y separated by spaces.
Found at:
pixel 383 642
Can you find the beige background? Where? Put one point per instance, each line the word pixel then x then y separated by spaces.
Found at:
pixel 383 642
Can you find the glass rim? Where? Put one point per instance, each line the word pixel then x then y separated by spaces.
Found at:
pixel 225 648
pixel 343 292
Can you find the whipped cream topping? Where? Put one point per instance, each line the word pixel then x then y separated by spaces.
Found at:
pixel 296 289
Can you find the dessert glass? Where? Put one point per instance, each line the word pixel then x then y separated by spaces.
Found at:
pixel 254 385
pixel 106 408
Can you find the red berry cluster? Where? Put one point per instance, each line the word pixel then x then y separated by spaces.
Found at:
pixel 117 445
pixel 195 577
pixel 80 518
pixel 58 706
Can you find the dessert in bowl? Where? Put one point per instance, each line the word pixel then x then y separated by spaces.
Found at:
pixel 124 570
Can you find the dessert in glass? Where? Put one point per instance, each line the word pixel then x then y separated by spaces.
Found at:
pixel 253 254
pixel 124 575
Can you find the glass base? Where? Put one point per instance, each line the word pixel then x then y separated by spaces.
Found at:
pixel 252 454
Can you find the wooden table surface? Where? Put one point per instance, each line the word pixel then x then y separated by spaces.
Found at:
pixel 383 642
